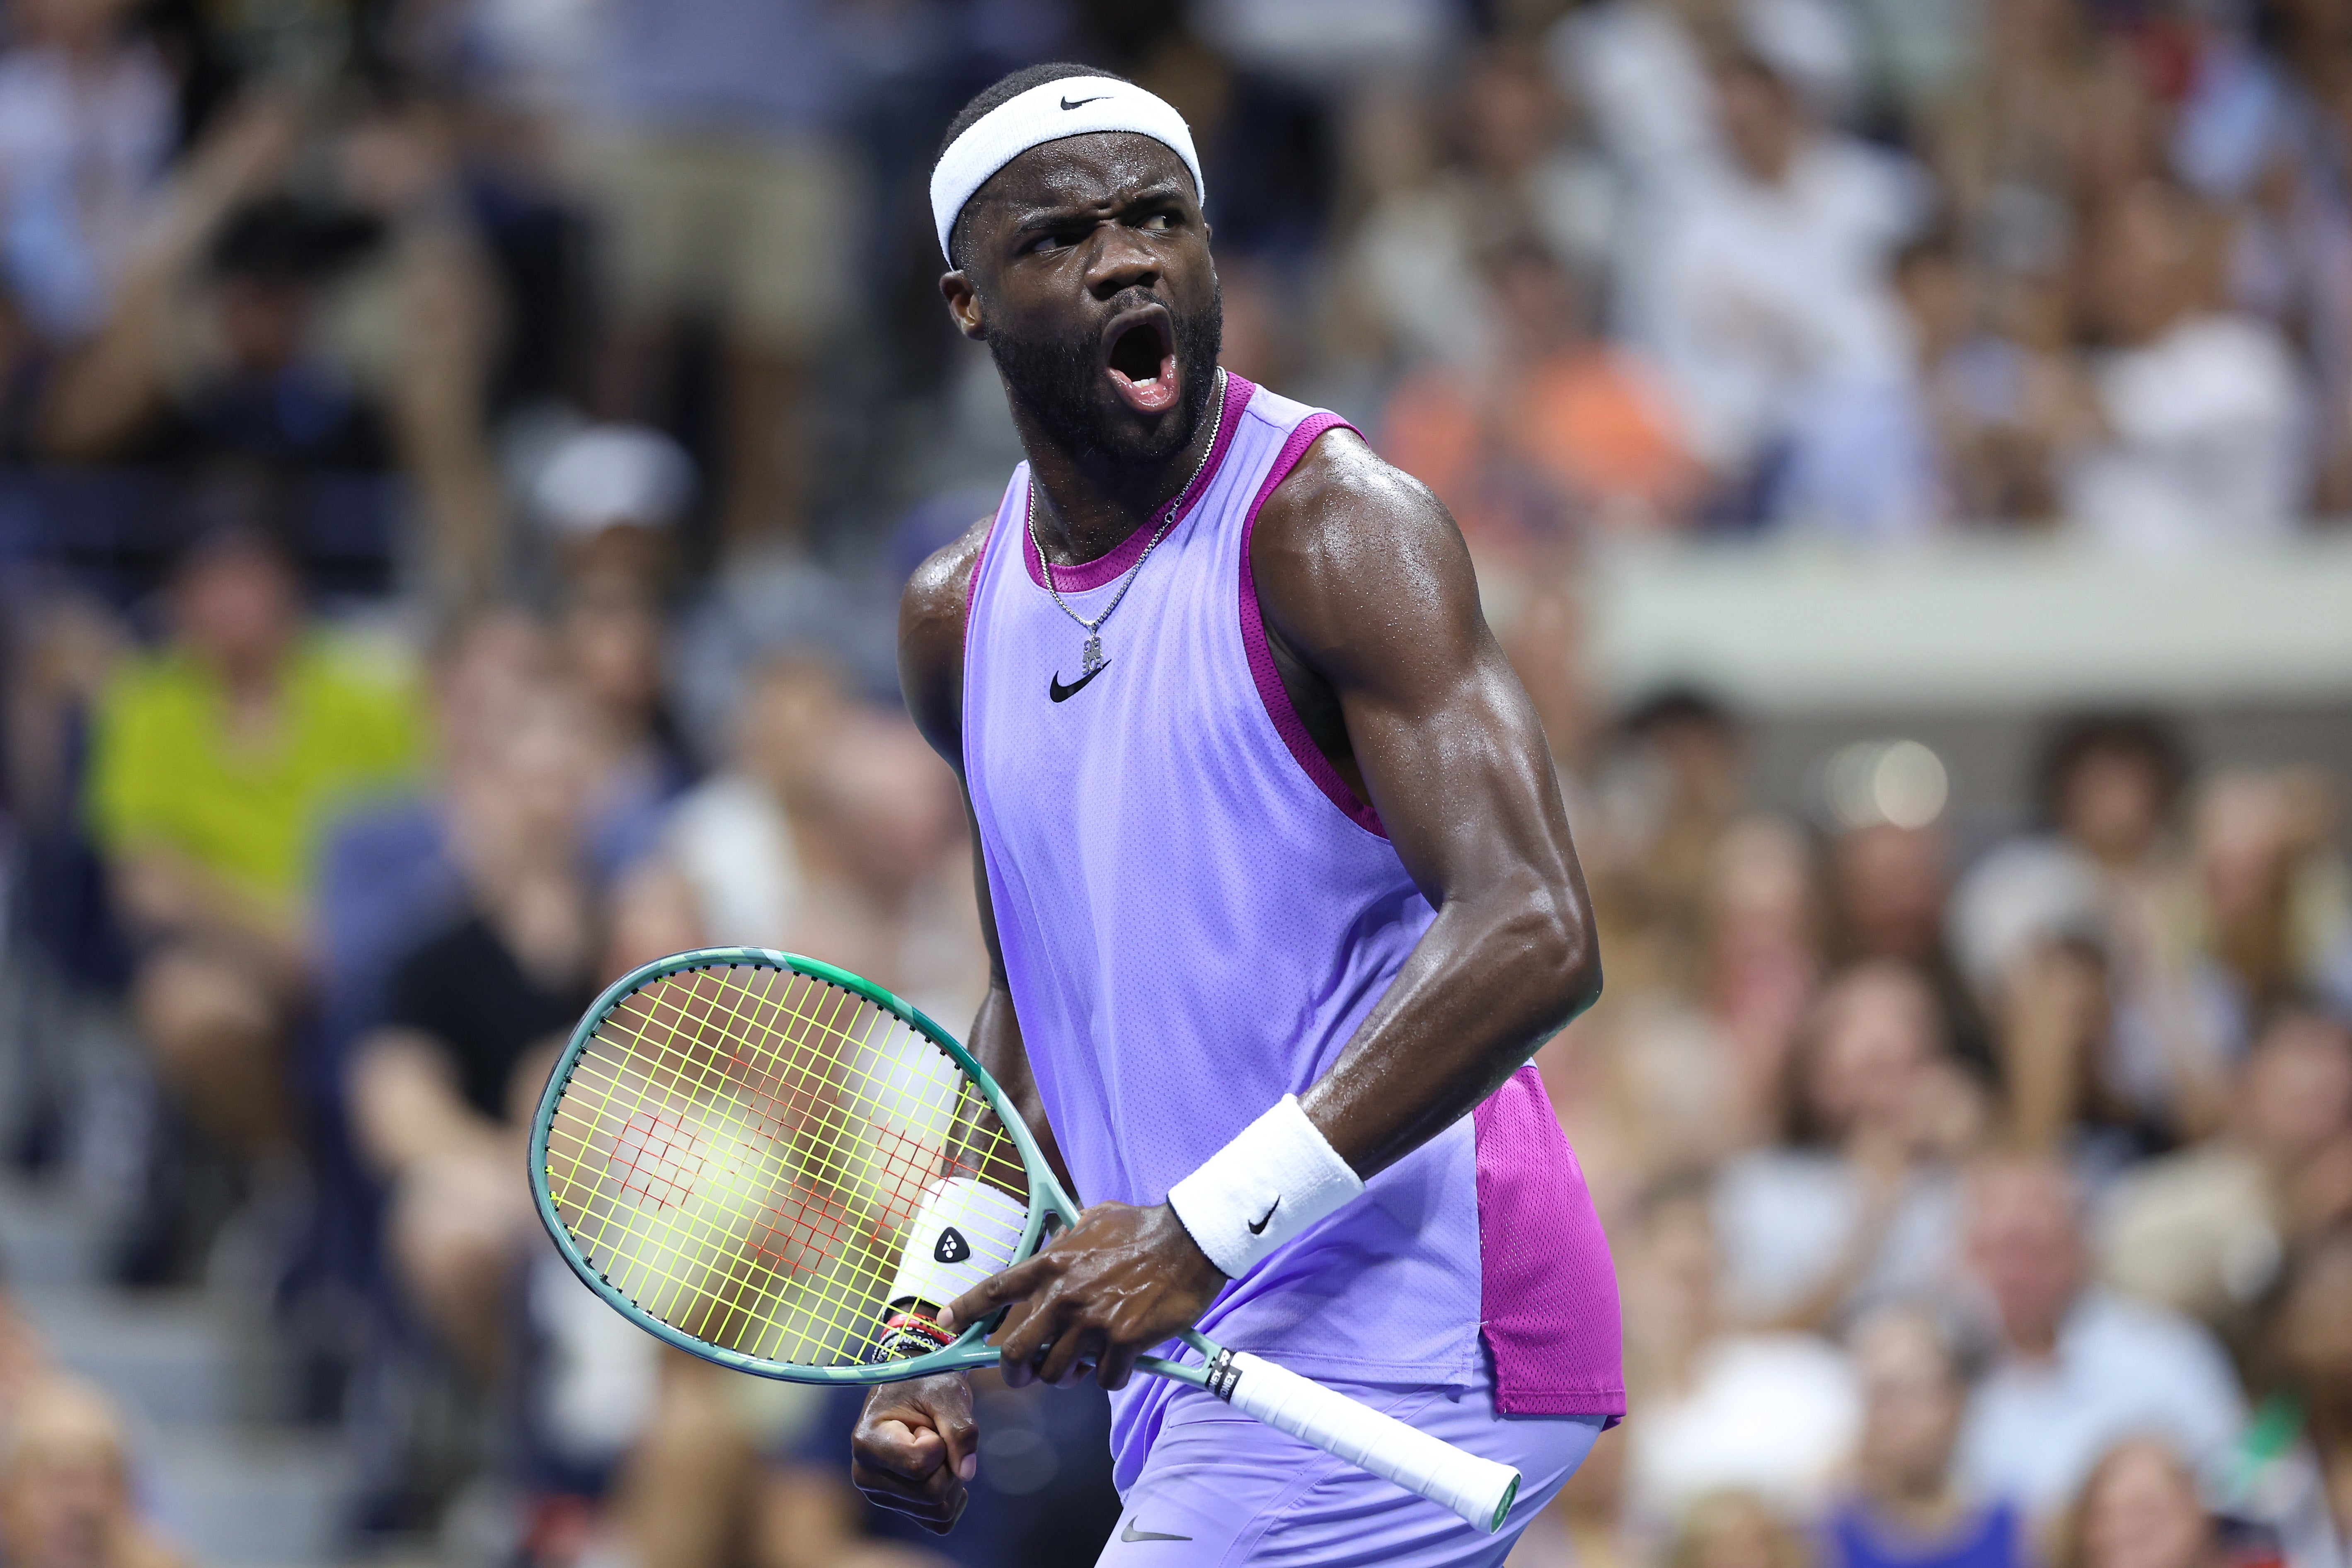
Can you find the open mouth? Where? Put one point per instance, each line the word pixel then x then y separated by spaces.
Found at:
pixel 1142 360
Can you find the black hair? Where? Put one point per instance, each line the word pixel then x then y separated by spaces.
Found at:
pixel 1003 90
pixel 283 240
pixel 1676 705
pixel 2144 738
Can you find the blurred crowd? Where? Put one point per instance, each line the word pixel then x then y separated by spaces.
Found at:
pixel 457 461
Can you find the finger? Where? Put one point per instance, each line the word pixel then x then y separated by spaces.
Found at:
pixel 1034 1325
pixel 1006 1285
pixel 934 1507
pixel 951 1419
pixel 891 1447
pixel 1117 1365
pixel 1058 1363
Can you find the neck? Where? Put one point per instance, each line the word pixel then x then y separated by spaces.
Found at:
pixel 1088 502
pixel 1921 1502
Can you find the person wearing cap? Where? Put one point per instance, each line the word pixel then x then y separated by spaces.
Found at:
pixel 1276 883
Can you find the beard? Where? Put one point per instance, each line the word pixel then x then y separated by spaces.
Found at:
pixel 1062 382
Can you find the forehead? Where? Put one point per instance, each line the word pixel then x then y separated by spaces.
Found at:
pixel 1100 169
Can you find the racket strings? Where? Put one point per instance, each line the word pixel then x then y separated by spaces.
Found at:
pixel 739 1149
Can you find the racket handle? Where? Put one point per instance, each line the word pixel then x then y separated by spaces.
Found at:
pixel 1480 1490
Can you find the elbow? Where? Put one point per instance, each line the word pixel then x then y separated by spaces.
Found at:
pixel 1559 953
pixel 1577 967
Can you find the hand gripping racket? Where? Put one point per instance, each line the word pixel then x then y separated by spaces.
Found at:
pixel 731 1149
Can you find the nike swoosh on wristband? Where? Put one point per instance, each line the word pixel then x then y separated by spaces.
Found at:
pixel 1131 1533
pixel 1068 104
pixel 1258 1227
pixel 1061 693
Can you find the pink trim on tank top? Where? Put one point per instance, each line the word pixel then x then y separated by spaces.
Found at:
pixel 1105 569
pixel 1270 689
pixel 1547 1291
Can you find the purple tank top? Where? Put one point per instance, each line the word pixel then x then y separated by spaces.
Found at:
pixel 1196 912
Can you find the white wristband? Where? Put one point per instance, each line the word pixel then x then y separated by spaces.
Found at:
pixel 1277 1176
pixel 965 1231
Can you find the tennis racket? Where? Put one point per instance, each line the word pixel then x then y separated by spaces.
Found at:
pixel 732 1147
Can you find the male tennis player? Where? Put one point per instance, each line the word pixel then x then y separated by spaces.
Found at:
pixel 1277 881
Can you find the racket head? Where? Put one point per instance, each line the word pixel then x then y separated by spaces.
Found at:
pixel 733 1142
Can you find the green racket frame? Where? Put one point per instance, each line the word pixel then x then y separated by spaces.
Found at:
pixel 969 1349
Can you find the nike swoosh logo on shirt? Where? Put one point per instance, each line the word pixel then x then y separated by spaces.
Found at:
pixel 1131 1533
pixel 1061 693
pixel 1068 104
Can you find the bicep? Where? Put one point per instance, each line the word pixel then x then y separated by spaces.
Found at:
pixel 1372 584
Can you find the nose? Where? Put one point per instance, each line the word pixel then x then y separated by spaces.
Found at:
pixel 1122 259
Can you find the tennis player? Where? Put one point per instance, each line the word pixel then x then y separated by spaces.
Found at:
pixel 1277 884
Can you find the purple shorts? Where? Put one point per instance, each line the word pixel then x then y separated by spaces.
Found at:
pixel 1220 1489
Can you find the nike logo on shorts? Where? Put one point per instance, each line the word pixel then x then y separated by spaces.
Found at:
pixel 1131 1533
pixel 1061 693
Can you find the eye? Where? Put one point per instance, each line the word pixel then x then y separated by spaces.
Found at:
pixel 1159 222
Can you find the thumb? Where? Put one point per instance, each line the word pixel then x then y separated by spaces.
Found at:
pixel 953 1420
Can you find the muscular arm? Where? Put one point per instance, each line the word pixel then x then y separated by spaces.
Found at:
pixel 1372 606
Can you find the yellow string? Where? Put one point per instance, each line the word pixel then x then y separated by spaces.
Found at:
pixel 756 1125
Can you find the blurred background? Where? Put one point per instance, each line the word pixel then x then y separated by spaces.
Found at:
pixel 457 454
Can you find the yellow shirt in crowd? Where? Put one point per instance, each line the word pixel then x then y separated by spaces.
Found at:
pixel 165 770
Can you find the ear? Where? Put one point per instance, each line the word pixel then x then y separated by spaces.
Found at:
pixel 963 304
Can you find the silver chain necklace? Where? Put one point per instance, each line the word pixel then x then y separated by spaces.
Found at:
pixel 1091 658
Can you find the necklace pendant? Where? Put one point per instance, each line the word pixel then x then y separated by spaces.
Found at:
pixel 1091 659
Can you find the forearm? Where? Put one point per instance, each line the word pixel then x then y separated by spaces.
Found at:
pixel 405 1109
pixel 1440 1041
pixel 995 1042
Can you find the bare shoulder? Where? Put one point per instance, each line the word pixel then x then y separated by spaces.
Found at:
pixel 1347 532
pixel 930 639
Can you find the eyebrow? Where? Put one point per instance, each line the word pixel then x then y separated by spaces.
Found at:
pixel 1040 219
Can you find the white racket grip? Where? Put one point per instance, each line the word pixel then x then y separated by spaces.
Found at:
pixel 1480 1490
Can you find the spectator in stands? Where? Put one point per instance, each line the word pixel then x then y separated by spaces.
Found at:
pixel 829 834
pixel 725 191
pixel 1887 889
pixel 611 643
pixel 2203 1231
pixel 2076 1367
pixel 1775 1414
pixel 86 123
pixel 2071 939
pixel 2292 1469
pixel 1423 255
pixel 1765 301
pixel 1861 1203
pixel 217 760
pixel 611 497
pixel 1986 391
pixel 1736 1529
pixel 2272 916
pixel 1668 787
pixel 2192 430
pixel 441 1093
pixel 2140 1508
pixel 1905 1510
pixel 66 1494
pixel 1558 436
pixel 218 344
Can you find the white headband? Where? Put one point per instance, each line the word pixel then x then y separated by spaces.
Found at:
pixel 1072 106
